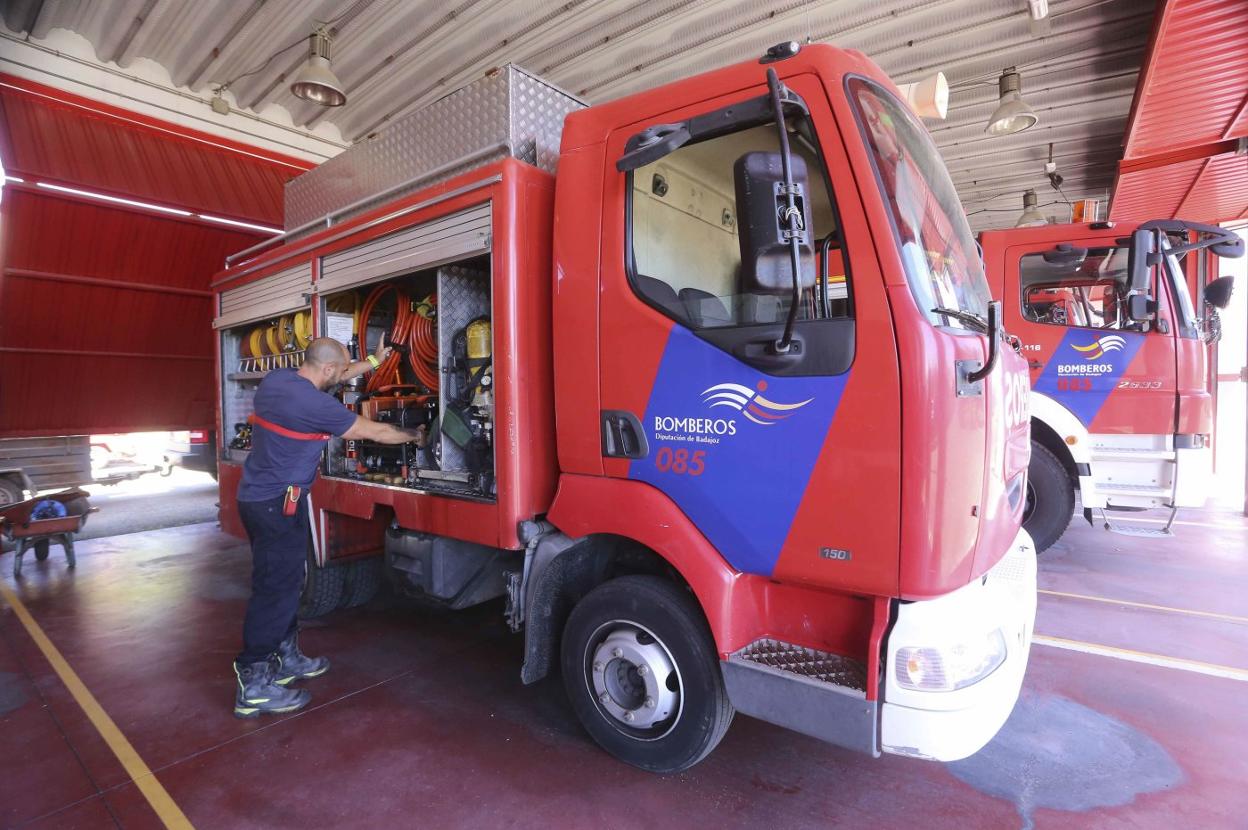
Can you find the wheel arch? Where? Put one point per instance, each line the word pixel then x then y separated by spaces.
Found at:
pixel 612 527
pixel 562 571
pixel 1054 426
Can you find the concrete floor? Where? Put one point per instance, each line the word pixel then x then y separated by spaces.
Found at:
pixel 423 721
pixel 153 501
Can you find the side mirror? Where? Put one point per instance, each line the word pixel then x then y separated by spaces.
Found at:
pixel 1142 247
pixel 762 228
pixel 1141 308
pixel 1218 293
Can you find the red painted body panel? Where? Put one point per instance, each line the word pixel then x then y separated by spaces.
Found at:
pixel 859 475
pixel 228 477
pixel 740 608
pixel 525 468
pixel 1190 106
pixel 105 308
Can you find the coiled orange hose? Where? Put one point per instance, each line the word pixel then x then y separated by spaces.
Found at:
pixel 410 329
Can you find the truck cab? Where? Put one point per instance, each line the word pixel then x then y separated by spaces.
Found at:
pixel 753 438
pixel 1121 409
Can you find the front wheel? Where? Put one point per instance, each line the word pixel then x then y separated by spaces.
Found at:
pixel 643 675
pixel 1050 498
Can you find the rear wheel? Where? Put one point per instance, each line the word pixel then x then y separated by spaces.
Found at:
pixel 642 673
pixel 1050 498
pixel 322 588
pixel 10 493
pixel 42 548
pixel 362 581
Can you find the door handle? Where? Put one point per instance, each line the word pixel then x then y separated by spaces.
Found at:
pixel 622 435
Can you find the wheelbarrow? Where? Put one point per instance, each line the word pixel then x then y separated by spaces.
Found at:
pixel 28 527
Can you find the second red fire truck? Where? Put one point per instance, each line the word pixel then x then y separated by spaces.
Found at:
pixel 1116 342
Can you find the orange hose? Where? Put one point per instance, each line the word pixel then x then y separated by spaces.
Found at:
pixel 410 329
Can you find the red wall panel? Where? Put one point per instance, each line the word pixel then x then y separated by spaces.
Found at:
pixel 105 310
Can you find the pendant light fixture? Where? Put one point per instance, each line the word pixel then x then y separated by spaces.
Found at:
pixel 1012 114
pixel 1031 211
pixel 316 82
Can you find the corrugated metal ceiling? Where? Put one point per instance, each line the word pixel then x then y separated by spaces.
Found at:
pixel 395 55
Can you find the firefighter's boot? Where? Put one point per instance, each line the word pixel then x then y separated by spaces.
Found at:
pixel 293 664
pixel 258 693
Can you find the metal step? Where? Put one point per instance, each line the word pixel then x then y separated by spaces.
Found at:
pixel 1148 531
pixel 1130 454
pixel 821 666
pixel 1112 488
pixel 1124 529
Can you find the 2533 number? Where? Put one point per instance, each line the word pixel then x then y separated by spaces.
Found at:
pixel 681 462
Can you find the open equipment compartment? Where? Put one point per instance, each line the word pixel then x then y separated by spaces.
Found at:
pixel 440 379
pixel 261 325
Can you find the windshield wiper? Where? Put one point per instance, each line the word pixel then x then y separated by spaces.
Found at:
pixel 973 320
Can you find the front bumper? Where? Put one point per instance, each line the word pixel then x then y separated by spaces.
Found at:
pixel 949 725
pixel 1193 476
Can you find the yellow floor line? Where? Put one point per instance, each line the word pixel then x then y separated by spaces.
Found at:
pixel 143 778
pixel 1188 611
pixel 1195 666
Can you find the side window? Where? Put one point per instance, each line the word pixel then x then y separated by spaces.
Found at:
pixel 1062 290
pixel 686 248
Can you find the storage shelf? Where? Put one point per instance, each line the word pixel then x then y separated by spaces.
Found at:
pixel 238 376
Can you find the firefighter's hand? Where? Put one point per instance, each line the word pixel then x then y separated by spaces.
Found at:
pixel 420 436
pixel 383 351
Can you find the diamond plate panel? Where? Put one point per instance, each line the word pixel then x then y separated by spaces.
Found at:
pixel 508 106
pixel 822 666
pixel 463 296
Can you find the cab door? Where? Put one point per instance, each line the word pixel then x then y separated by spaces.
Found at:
pixel 787 463
pixel 1115 375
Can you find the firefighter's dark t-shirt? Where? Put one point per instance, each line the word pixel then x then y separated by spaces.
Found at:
pixel 277 461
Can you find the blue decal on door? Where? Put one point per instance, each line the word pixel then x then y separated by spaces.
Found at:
pixel 734 447
pixel 1086 367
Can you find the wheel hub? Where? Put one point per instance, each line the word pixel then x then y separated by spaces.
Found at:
pixel 631 673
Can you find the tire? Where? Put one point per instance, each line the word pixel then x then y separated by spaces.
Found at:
pixel 43 548
pixel 1050 498
pixel 363 581
pixel 10 492
pixel 322 588
pixel 662 629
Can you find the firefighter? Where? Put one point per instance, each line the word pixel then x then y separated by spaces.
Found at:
pixel 294 417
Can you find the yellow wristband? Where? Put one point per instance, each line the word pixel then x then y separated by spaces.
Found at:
pixel 372 361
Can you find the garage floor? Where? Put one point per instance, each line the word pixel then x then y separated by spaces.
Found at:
pixel 423 721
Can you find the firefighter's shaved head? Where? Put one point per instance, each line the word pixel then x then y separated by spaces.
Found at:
pixel 324 362
pixel 326 350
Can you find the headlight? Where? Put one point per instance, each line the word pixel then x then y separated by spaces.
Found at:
pixel 945 668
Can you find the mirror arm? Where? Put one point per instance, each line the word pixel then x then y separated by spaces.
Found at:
pixel 994 334
pixel 791 213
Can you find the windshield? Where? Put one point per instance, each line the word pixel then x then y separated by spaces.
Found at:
pixel 937 250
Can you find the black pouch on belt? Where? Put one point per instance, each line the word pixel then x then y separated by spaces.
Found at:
pixel 290 504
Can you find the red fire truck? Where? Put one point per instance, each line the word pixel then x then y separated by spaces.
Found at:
pixel 722 412
pixel 1121 410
